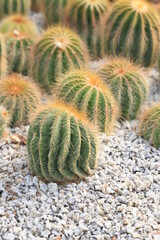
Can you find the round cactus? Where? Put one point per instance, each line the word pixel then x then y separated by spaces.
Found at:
pixel 8 7
pixel 85 15
pixel 87 92
pixel 132 30
pixel 128 84
pixel 4 119
pixel 3 57
pixel 18 48
pixel 62 144
pixel 20 97
pixel 20 23
pixel 150 125
pixel 58 50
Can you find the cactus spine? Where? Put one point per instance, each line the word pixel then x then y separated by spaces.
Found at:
pixel 150 125
pixel 88 93
pixel 4 118
pixel 58 50
pixel 62 144
pixel 128 84
pixel 8 7
pixel 20 97
pixel 3 57
pixel 132 30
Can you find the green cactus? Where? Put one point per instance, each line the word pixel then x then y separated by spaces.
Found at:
pixel 59 50
pixel 62 144
pixel 8 7
pixel 84 16
pixel 87 92
pixel 128 83
pixel 4 118
pixel 131 30
pixel 3 57
pixel 150 125
pixel 20 97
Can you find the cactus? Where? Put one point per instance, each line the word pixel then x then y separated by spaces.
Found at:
pixel 8 7
pixel 87 92
pixel 150 125
pixel 20 23
pixel 85 15
pixel 4 118
pixel 58 50
pixel 131 30
pixel 20 97
pixel 62 144
pixel 128 83
pixel 3 57
pixel 18 48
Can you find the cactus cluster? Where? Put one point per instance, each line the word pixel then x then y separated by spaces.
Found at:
pixel 20 97
pixel 61 144
pixel 87 92
pixel 4 118
pixel 3 57
pixel 58 50
pixel 150 125
pixel 8 7
pixel 131 30
pixel 128 83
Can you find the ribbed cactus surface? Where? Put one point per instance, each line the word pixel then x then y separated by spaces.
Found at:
pixel 4 117
pixel 87 92
pixel 20 97
pixel 150 125
pixel 62 144
pixel 59 50
pixel 128 83
pixel 3 57
pixel 8 7
pixel 132 30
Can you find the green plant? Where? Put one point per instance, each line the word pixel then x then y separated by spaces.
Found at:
pixel 59 50
pixel 4 118
pixel 132 30
pixel 62 144
pixel 85 15
pixel 150 125
pixel 87 92
pixel 128 83
pixel 20 97
pixel 8 7
pixel 3 57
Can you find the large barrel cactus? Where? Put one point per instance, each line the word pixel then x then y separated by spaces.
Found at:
pixel 59 50
pixel 62 144
pixel 132 30
pixel 20 97
pixel 88 93
pixel 4 118
pixel 3 57
pixel 128 83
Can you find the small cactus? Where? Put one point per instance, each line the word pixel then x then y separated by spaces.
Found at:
pixel 4 119
pixel 132 30
pixel 85 15
pixel 59 50
pixel 3 57
pixel 20 97
pixel 20 23
pixel 8 7
pixel 62 144
pixel 150 125
pixel 87 92
pixel 128 84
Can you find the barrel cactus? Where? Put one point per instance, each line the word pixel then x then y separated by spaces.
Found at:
pixel 87 92
pixel 4 118
pixel 62 144
pixel 128 83
pixel 20 97
pixel 150 125
pixel 8 7
pixel 132 30
pixel 58 50
pixel 3 57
